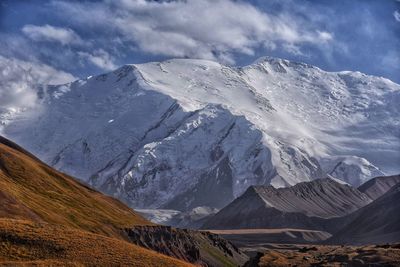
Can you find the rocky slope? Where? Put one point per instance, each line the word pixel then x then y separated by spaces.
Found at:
pixel 378 186
pixel 181 134
pixel 378 222
pixel 200 248
pixel 306 205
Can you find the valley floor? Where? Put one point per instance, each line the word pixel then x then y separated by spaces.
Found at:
pixel 257 237
pixel 320 255
pixel 302 248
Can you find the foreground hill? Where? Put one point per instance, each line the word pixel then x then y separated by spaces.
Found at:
pixel 306 205
pixel 33 191
pixel 49 218
pixel 378 186
pixel 33 244
pixel 185 133
pixel 378 222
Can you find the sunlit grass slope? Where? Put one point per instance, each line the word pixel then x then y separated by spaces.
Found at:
pixel 29 189
pixel 50 219
pixel 30 244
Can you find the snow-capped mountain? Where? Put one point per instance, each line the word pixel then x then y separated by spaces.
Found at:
pixel 186 133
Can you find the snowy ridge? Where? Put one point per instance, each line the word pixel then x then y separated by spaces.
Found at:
pixel 186 133
pixel 192 219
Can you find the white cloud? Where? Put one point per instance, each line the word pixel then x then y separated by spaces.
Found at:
pixel 325 36
pixel 293 49
pixel 210 29
pixel 19 80
pixel 65 36
pixel 391 60
pixel 396 15
pixel 99 58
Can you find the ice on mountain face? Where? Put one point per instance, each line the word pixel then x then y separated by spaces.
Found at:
pixel 160 216
pixel 74 134
pixel 351 169
pixel 191 219
pixel 176 163
pixel 345 113
pixel 186 133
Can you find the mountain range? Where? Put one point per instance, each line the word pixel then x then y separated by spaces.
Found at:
pixel 378 186
pixel 378 222
pixel 349 215
pixel 48 218
pixel 182 134
pixel 302 206
pixel 276 151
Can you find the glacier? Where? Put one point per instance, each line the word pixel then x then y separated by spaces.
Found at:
pixel 187 133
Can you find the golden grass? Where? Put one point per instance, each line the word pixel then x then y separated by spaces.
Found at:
pixel 49 219
pixel 274 258
pixel 25 243
pixel 320 255
pixel 29 189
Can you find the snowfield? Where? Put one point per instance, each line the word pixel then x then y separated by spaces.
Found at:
pixel 186 133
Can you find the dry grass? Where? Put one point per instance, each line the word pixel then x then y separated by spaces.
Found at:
pixel 24 243
pixel 49 219
pixel 388 255
pixel 29 189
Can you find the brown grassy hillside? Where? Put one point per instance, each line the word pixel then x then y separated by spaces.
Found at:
pixel 24 243
pixel 29 189
pixel 49 219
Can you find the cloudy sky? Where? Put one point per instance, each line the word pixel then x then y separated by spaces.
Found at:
pixel 56 41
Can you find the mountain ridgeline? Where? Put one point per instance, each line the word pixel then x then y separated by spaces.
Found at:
pixel 376 223
pixel 378 186
pixel 306 205
pixel 347 213
pixel 276 149
pixel 168 134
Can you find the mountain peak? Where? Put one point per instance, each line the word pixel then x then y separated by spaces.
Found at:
pixel 156 133
pixel 284 63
